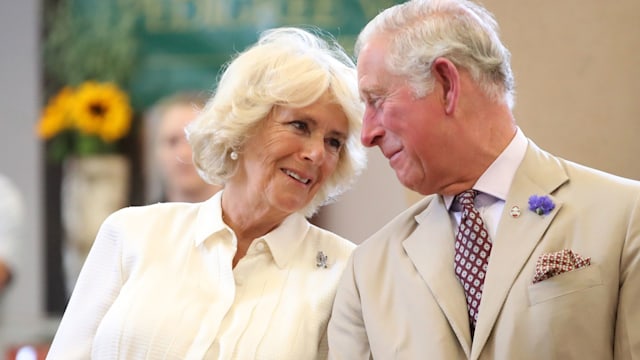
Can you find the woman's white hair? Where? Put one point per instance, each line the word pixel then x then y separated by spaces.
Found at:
pixel 420 31
pixel 287 67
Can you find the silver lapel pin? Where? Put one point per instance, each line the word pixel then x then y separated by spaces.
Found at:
pixel 321 260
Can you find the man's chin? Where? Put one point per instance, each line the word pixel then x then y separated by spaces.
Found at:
pixel 406 181
pixel 414 185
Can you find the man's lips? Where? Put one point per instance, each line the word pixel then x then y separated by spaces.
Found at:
pixel 390 154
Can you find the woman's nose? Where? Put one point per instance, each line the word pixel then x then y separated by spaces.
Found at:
pixel 315 150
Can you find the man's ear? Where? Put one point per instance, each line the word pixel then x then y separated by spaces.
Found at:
pixel 446 75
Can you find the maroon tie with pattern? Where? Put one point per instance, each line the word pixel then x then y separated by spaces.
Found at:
pixel 473 248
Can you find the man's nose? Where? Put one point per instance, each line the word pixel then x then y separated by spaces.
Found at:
pixel 371 130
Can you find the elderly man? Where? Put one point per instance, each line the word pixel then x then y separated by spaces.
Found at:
pixel 513 253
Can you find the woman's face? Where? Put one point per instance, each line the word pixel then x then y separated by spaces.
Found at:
pixel 291 155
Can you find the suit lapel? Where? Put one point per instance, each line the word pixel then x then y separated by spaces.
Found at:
pixel 431 249
pixel 517 237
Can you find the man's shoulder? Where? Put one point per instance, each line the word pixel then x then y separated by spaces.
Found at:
pixel 397 229
pixel 539 162
pixel 579 171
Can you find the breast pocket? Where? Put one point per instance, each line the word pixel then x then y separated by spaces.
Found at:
pixel 564 284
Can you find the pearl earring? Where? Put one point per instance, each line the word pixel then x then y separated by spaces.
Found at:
pixel 233 155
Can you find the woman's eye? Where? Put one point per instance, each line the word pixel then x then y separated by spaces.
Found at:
pixel 300 125
pixel 334 143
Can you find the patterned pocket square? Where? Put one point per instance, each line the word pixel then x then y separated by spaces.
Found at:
pixel 559 262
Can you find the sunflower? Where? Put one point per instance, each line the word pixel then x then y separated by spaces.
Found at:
pixel 55 118
pixel 85 120
pixel 101 109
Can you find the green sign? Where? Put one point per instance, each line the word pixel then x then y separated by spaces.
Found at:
pixel 182 44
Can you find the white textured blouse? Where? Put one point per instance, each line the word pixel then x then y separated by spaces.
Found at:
pixel 159 284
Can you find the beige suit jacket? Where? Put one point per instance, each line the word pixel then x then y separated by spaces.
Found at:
pixel 399 297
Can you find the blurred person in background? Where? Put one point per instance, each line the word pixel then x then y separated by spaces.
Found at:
pixel 171 175
pixel 11 222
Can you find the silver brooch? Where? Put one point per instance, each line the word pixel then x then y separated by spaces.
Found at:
pixel 321 260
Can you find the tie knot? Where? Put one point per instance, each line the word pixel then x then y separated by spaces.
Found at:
pixel 466 197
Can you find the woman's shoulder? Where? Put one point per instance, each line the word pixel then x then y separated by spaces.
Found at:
pixel 156 210
pixel 328 238
pixel 153 215
pixel 158 225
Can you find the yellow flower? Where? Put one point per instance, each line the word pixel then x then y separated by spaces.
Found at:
pixel 101 109
pixel 55 118
pixel 86 120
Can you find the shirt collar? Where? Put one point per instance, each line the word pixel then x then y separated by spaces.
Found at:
pixel 496 180
pixel 209 220
pixel 283 241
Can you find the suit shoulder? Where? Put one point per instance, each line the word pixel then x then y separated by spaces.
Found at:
pixel 552 171
pixel 584 178
pixel 398 228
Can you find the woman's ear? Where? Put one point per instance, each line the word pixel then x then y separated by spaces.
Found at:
pixel 447 77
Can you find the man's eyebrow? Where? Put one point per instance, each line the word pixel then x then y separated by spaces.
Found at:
pixel 366 92
pixel 370 88
pixel 369 93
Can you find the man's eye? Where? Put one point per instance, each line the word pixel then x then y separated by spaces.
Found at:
pixel 374 101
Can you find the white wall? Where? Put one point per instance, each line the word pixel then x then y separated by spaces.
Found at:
pixel 577 70
pixel 21 314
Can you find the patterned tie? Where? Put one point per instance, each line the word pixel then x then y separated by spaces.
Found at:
pixel 472 254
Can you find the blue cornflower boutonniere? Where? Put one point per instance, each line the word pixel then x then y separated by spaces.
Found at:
pixel 541 205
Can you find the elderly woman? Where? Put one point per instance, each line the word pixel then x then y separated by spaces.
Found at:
pixel 242 275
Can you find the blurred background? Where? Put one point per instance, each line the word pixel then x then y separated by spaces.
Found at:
pixel 577 82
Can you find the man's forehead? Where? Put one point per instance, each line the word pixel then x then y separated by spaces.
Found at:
pixel 368 74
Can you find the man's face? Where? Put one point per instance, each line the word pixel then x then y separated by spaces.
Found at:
pixel 412 133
